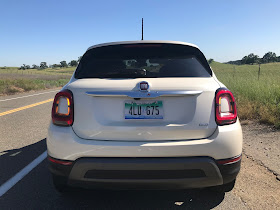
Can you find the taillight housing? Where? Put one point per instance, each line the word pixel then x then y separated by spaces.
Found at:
pixel 226 112
pixel 63 108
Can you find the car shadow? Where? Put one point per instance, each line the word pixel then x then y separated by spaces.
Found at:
pixel 12 161
pixel 183 199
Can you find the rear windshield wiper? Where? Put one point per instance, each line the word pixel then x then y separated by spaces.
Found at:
pixel 130 73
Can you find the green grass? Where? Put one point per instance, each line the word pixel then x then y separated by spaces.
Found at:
pixel 14 81
pixel 256 99
pixel 12 86
pixel 57 71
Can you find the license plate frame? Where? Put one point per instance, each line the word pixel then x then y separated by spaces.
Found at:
pixel 143 110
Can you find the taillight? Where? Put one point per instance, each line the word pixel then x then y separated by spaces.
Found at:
pixel 62 110
pixel 226 112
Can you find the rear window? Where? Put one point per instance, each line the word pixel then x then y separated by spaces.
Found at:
pixel 143 61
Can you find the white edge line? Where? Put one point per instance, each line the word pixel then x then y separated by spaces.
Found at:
pixel 15 179
pixel 29 95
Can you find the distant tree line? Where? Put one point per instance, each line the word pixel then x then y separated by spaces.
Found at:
pixel 44 65
pixel 210 60
pixel 269 57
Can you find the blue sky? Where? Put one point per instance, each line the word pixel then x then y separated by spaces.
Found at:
pixel 32 31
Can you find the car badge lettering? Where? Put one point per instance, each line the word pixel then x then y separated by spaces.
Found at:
pixel 143 86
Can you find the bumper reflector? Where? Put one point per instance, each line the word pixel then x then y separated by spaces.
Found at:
pixel 230 160
pixel 60 162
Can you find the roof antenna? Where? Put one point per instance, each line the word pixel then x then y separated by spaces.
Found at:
pixel 142 30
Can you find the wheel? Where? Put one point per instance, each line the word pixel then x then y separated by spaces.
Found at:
pixel 60 183
pixel 225 187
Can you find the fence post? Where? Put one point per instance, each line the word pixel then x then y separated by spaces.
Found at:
pixel 259 71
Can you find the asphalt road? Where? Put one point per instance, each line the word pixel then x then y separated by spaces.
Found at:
pixel 22 140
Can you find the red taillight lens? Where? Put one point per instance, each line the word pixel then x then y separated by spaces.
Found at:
pixel 226 112
pixel 62 110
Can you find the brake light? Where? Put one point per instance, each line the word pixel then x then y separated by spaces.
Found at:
pixel 62 110
pixel 226 112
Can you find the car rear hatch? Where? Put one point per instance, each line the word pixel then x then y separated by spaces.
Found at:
pixel 147 96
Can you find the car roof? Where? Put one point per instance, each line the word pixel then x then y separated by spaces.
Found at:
pixel 143 42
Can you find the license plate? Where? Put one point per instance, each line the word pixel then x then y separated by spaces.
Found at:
pixel 143 110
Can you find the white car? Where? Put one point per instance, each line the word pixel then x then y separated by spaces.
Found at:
pixel 123 123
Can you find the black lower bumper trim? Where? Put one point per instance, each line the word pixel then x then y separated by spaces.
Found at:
pixel 59 169
pixel 144 174
pixel 162 173
pixel 230 171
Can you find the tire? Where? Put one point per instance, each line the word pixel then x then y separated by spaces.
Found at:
pixel 60 184
pixel 225 187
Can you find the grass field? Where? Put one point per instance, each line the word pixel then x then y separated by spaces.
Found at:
pixel 256 99
pixel 13 80
pixel 48 71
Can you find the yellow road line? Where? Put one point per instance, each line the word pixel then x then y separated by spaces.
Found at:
pixel 25 107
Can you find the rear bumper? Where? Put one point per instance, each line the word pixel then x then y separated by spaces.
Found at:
pixel 146 173
pixel 225 142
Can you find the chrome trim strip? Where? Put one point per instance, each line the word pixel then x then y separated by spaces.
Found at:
pixel 141 94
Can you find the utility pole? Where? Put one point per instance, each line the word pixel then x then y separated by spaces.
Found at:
pixel 142 30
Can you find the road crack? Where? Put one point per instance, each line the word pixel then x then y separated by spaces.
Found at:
pixel 259 162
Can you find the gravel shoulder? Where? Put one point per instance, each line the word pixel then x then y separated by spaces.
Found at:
pixel 258 184
pixel 262 144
